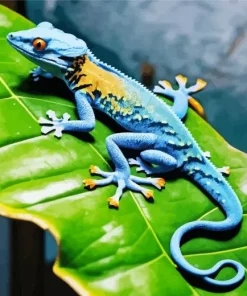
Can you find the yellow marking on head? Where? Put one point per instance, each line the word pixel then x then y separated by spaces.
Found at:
pixel 98 79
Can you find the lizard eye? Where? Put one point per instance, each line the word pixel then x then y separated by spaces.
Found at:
pixel 39 44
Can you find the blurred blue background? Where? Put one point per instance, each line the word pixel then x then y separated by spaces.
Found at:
pixel 201 38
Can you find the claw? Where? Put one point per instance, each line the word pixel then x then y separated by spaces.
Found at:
pixel 66 116
pixel 158 90
pixel 159 182
pixel 207 154
pixel 200 83
pixel 52 115
pixel 165 84
pixel 225 170
pixel 58 132
pixel 149 194
pixel 93 169
pixel 165 89
pixel 89 183
pixel 46 129
pixel 113 203
pixel 44 121
pixel 228 170
pixel 181 80
pixel 140 169
pixel 132 161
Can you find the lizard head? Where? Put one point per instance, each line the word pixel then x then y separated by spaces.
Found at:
pixel 48 47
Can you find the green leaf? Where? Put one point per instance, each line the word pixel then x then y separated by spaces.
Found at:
pixel 102 251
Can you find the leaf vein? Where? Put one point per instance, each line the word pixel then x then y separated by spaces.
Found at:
pixel 17 99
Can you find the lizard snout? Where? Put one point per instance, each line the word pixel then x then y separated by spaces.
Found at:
pixel 12 37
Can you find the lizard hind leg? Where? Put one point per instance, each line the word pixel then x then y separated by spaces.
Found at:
pixel 165 162
pixel 121 177
pixel 181 96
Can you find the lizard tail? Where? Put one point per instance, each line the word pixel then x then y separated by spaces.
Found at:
pixel 233 211
pixel 209 274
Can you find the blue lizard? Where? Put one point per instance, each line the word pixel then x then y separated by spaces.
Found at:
pixel 154 128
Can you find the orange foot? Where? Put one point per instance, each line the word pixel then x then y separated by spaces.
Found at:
pixel 160 182
pixel 89 183
pixel 93 169
pixel 225 170
pixel 149 194
pixel 113 203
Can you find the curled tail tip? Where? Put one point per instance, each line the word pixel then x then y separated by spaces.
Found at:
pixel 208 275
pixel 230 283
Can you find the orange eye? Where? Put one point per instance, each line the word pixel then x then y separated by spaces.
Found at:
pixel 39 44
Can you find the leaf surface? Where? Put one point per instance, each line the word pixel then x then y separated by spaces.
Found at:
pixel 102 251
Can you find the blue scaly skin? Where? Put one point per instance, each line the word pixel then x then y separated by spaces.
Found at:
pixel 154 128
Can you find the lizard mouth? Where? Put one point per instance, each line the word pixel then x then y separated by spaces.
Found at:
pixel 61 65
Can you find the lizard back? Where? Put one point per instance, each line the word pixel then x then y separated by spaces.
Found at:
pixel 124 99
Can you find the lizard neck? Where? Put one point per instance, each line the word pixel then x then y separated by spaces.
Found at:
pixel 86 74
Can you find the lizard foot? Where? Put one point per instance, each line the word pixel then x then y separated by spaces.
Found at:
pixel 143 167
pixel 56 124
pixel 165 88
pixel 225 170
pixel 130 182
pixel 207 154
pixel 39 72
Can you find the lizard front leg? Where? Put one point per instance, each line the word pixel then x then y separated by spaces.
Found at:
pixel 85 124
pixel 121 176
pixel 39 72
pixel 181 96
